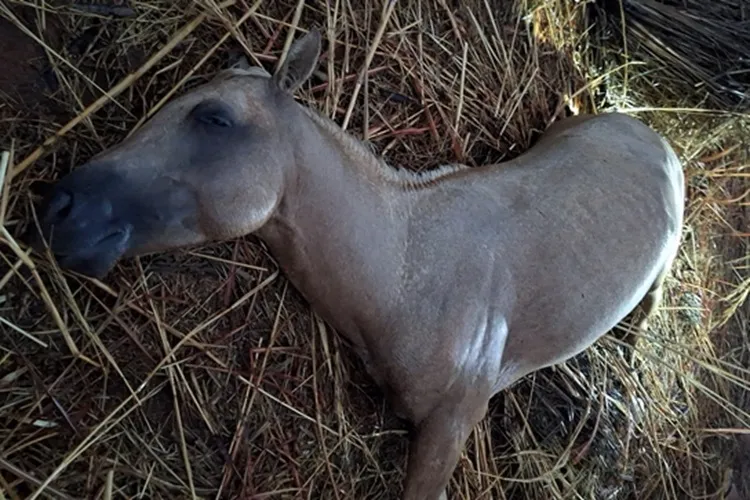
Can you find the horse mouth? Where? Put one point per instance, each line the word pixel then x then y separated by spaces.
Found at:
pixel 94 259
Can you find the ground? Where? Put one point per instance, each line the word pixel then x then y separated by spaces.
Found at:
pixel 202 373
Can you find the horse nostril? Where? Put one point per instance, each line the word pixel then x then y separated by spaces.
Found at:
pixel 60 205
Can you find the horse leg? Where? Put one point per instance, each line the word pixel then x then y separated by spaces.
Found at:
pixel 437 445
pixel 645 309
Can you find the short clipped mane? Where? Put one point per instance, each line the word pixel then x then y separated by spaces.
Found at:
pixel 375 164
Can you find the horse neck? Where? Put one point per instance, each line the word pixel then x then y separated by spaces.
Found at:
pixel 341 221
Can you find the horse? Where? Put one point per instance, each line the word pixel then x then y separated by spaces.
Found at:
pixel 451 285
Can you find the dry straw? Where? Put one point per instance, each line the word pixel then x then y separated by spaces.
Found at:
pixel 202 374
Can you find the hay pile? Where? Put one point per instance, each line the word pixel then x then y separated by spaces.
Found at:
pixel 201 373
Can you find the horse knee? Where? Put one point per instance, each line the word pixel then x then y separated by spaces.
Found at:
pixel 648 307
pixel 652 300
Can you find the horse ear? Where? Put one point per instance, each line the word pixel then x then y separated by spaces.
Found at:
pixel 300 62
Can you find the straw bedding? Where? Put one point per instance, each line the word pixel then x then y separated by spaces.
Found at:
pixel 202 373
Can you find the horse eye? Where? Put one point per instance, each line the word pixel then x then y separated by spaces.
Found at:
pixel 213 115
pixel 215 120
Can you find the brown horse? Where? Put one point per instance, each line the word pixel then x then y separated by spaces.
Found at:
pixel 451 285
